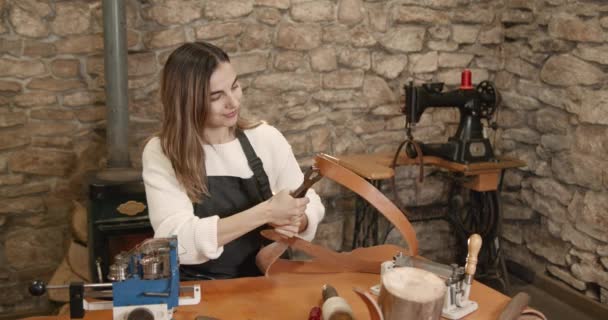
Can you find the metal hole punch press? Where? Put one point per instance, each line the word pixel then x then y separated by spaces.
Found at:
pixel 145 285
pixel 457 279
pixel 469 144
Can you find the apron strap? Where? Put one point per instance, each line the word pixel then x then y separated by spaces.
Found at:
pixel 256 165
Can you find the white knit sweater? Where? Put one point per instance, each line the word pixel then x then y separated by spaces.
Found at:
pixel 172 213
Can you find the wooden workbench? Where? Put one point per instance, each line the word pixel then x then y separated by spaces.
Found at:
pixel 291 296
pixel 484 175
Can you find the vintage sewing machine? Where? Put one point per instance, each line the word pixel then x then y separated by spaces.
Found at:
pixel 469 144
pixel 145 285
pixel 457 279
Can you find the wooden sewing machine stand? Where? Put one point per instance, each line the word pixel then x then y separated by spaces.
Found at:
pixel 482 177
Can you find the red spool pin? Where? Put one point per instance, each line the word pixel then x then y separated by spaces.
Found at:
pixel 465 80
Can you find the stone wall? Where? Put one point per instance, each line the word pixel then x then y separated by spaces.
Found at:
pixel 555 117
pixel 329 75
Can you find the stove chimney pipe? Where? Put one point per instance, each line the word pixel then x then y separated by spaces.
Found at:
pixel 115 66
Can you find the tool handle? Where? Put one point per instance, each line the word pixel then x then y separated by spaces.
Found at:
pixel 474 243
pixel 515 307
pixel 310 178
pixel 328 292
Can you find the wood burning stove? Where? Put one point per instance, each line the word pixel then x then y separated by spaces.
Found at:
pixel 118 220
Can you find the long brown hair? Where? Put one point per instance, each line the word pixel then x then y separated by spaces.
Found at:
pixel 185 97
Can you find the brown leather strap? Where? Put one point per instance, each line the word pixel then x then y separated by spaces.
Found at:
pixel 515 307
pixel 329 168
pixel 336 261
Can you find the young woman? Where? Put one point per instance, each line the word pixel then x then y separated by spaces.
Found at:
pixel 210 175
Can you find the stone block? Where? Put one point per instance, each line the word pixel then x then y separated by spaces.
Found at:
pixel 565 276
pixel 584 170
pixel 578 239
pixel 343 79
pixel 298 36
pixel 350 12
pixel 524 135
pixel 569 27
pixel 404 39
pixel 378 17
pixel 65 68
pixel 454 59
pixel 464 33
pixel 423 63
pixel 388 66
pixel 11 119
pixel 269 16
pixel 287 81
pixel 218 30
pixel 53 142
pixel 279 4
pixel 28 18
pixel 25 189
pixel 550 188
pixel 361 36
pixel 53 163
pixel 517 16
pixel 169 12
pixel 323 59
pixel 313 11
pixel 254 37
pixel 475 14
pixel 141 64
pixel 376 91
pixel 165 38
pixel 80 44
pixel 336 34
pixel 491 36
pixel 249 63
pixel 82 98
pixel 440 32
pixel 13 139
pixel 419 15
pixel 21 68
pixel 355 59
pixel 586 139
pixel 335 95
pixel 513 233
pixel 228 9
pixel 27 247
pixel 590 107
pixel 521 68
pixel 566 70
pixel 22 205
pixel 51 84
pixel 542 243
pixel 9 87
pixel 71 18
pixel 592 53
pixel 91 114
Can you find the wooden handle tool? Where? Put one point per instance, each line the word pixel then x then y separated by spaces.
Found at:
pixel 474 244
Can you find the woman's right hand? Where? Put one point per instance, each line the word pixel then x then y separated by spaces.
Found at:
pixel 283 209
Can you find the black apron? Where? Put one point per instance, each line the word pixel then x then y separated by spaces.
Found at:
pixel 227 196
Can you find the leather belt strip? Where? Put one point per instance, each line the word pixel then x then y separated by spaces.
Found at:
pixel 329 167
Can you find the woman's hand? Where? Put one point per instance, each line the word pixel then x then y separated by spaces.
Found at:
pixel 284 210
pixel 290 230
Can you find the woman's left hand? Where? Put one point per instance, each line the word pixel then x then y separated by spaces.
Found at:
pixel 297 225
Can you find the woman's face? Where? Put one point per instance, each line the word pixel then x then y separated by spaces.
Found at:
pixel 225 97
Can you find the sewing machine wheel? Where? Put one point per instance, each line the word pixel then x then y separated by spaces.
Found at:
pixel 490 99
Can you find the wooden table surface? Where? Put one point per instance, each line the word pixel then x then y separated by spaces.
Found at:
pixel 291 296
pixel 377 166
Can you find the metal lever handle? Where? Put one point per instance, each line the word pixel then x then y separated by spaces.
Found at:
pixel 311 177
